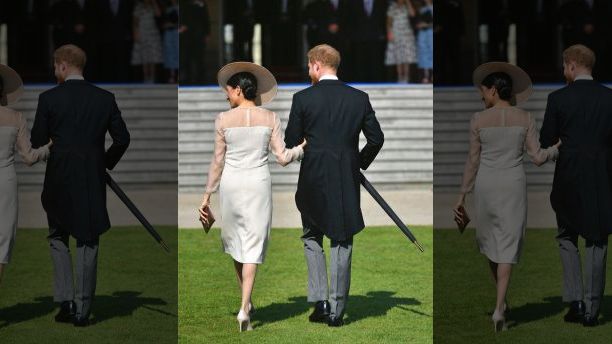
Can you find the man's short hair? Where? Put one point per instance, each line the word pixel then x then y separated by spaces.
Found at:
pixel 581 55
pixel 326 55
pixel 71 55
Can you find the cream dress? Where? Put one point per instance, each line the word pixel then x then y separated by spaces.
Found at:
pixel 499 137
pixel 239 170
pixel 14 136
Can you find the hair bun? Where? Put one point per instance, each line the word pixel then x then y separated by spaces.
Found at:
pixel 250 92
pixel 505 92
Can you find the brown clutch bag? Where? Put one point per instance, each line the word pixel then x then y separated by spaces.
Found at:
pixel 207 224
pixel 462 219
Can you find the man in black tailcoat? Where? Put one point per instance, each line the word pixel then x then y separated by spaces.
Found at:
pixel 330 115
pixel 580 115
pixel 76 115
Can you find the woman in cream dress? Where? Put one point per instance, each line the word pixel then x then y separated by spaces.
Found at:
pixel 499 137
pixel 239 170
pixel 14 136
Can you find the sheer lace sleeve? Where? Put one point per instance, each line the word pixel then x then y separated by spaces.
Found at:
pixel 29 155
pixel 283 155
pixel 218 160
pixel 532 142
pixel 473 159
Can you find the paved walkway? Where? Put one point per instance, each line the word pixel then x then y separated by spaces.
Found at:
pixel 158 206
pixel 539 212
pixel 413 206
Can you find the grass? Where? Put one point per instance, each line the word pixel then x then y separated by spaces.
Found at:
pixel 136 296
pixel 465 296
pixel 390 298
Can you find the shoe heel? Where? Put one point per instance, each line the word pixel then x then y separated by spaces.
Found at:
pixel 244 322
pixel 499 322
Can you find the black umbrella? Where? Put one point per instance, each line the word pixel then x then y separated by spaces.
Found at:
pixel 381 201
pixel 132 207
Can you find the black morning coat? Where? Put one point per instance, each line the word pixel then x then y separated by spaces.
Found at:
pixel 330 115
pixel 76 115
pixel 580 114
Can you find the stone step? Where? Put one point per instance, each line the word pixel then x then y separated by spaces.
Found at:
pixel 150 113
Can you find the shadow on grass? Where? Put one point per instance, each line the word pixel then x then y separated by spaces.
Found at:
pixel 552 306
pixel 105 307
pixel 534 311
pixel 373 304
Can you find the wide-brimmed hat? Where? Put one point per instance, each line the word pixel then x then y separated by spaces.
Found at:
pixel 266 83
pixel 521 82
pixel 12 85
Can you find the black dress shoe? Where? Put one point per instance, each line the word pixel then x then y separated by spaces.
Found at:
pixel 590 321
pixel 335 322
pixel 66 312
pixel 575 314
pixel 81 322
pixel 320 312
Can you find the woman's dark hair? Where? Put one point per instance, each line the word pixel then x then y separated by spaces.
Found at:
pixel 247 83
pixel 502 83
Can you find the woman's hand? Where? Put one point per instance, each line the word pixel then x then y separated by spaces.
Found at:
pixel 460 203
pixel 303 144
pixel 558 144
pixel 389 36
pixel 205 204
pixel 50 143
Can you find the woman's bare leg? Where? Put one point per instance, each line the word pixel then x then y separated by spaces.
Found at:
pixel 248 281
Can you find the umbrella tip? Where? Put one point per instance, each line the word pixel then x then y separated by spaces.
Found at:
pixel 163 243
pixel 418 245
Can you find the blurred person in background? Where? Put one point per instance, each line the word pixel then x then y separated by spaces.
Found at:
pixel 194 33
pixel 325 22
pixel 449 27
pixel 241 14
pixel 112 32
pixel 401 50
pixel 424 24
pixel 366 24
pixel 147 49
pixel 170 21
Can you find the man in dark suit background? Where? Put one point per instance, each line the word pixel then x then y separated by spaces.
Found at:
pixel 111 28
pixel 367 31
pixel 241 14
pixel 580 115
pixel 330 115
pixel 588 22
pixel 325 24
pixel 76 115
pixel 194 31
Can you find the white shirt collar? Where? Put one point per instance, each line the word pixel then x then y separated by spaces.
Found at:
pixel 584 77
pixel 328 77
pixel 74 77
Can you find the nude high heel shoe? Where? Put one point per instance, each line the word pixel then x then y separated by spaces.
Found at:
pixel 244 321
pixel 499 322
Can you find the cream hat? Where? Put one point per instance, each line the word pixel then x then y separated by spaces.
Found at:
pixel 521 82
pixel 12 85
pixel 266 83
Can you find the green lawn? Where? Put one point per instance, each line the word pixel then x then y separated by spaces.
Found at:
pixel 390 299
pixel 136 296
pixel 465 296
